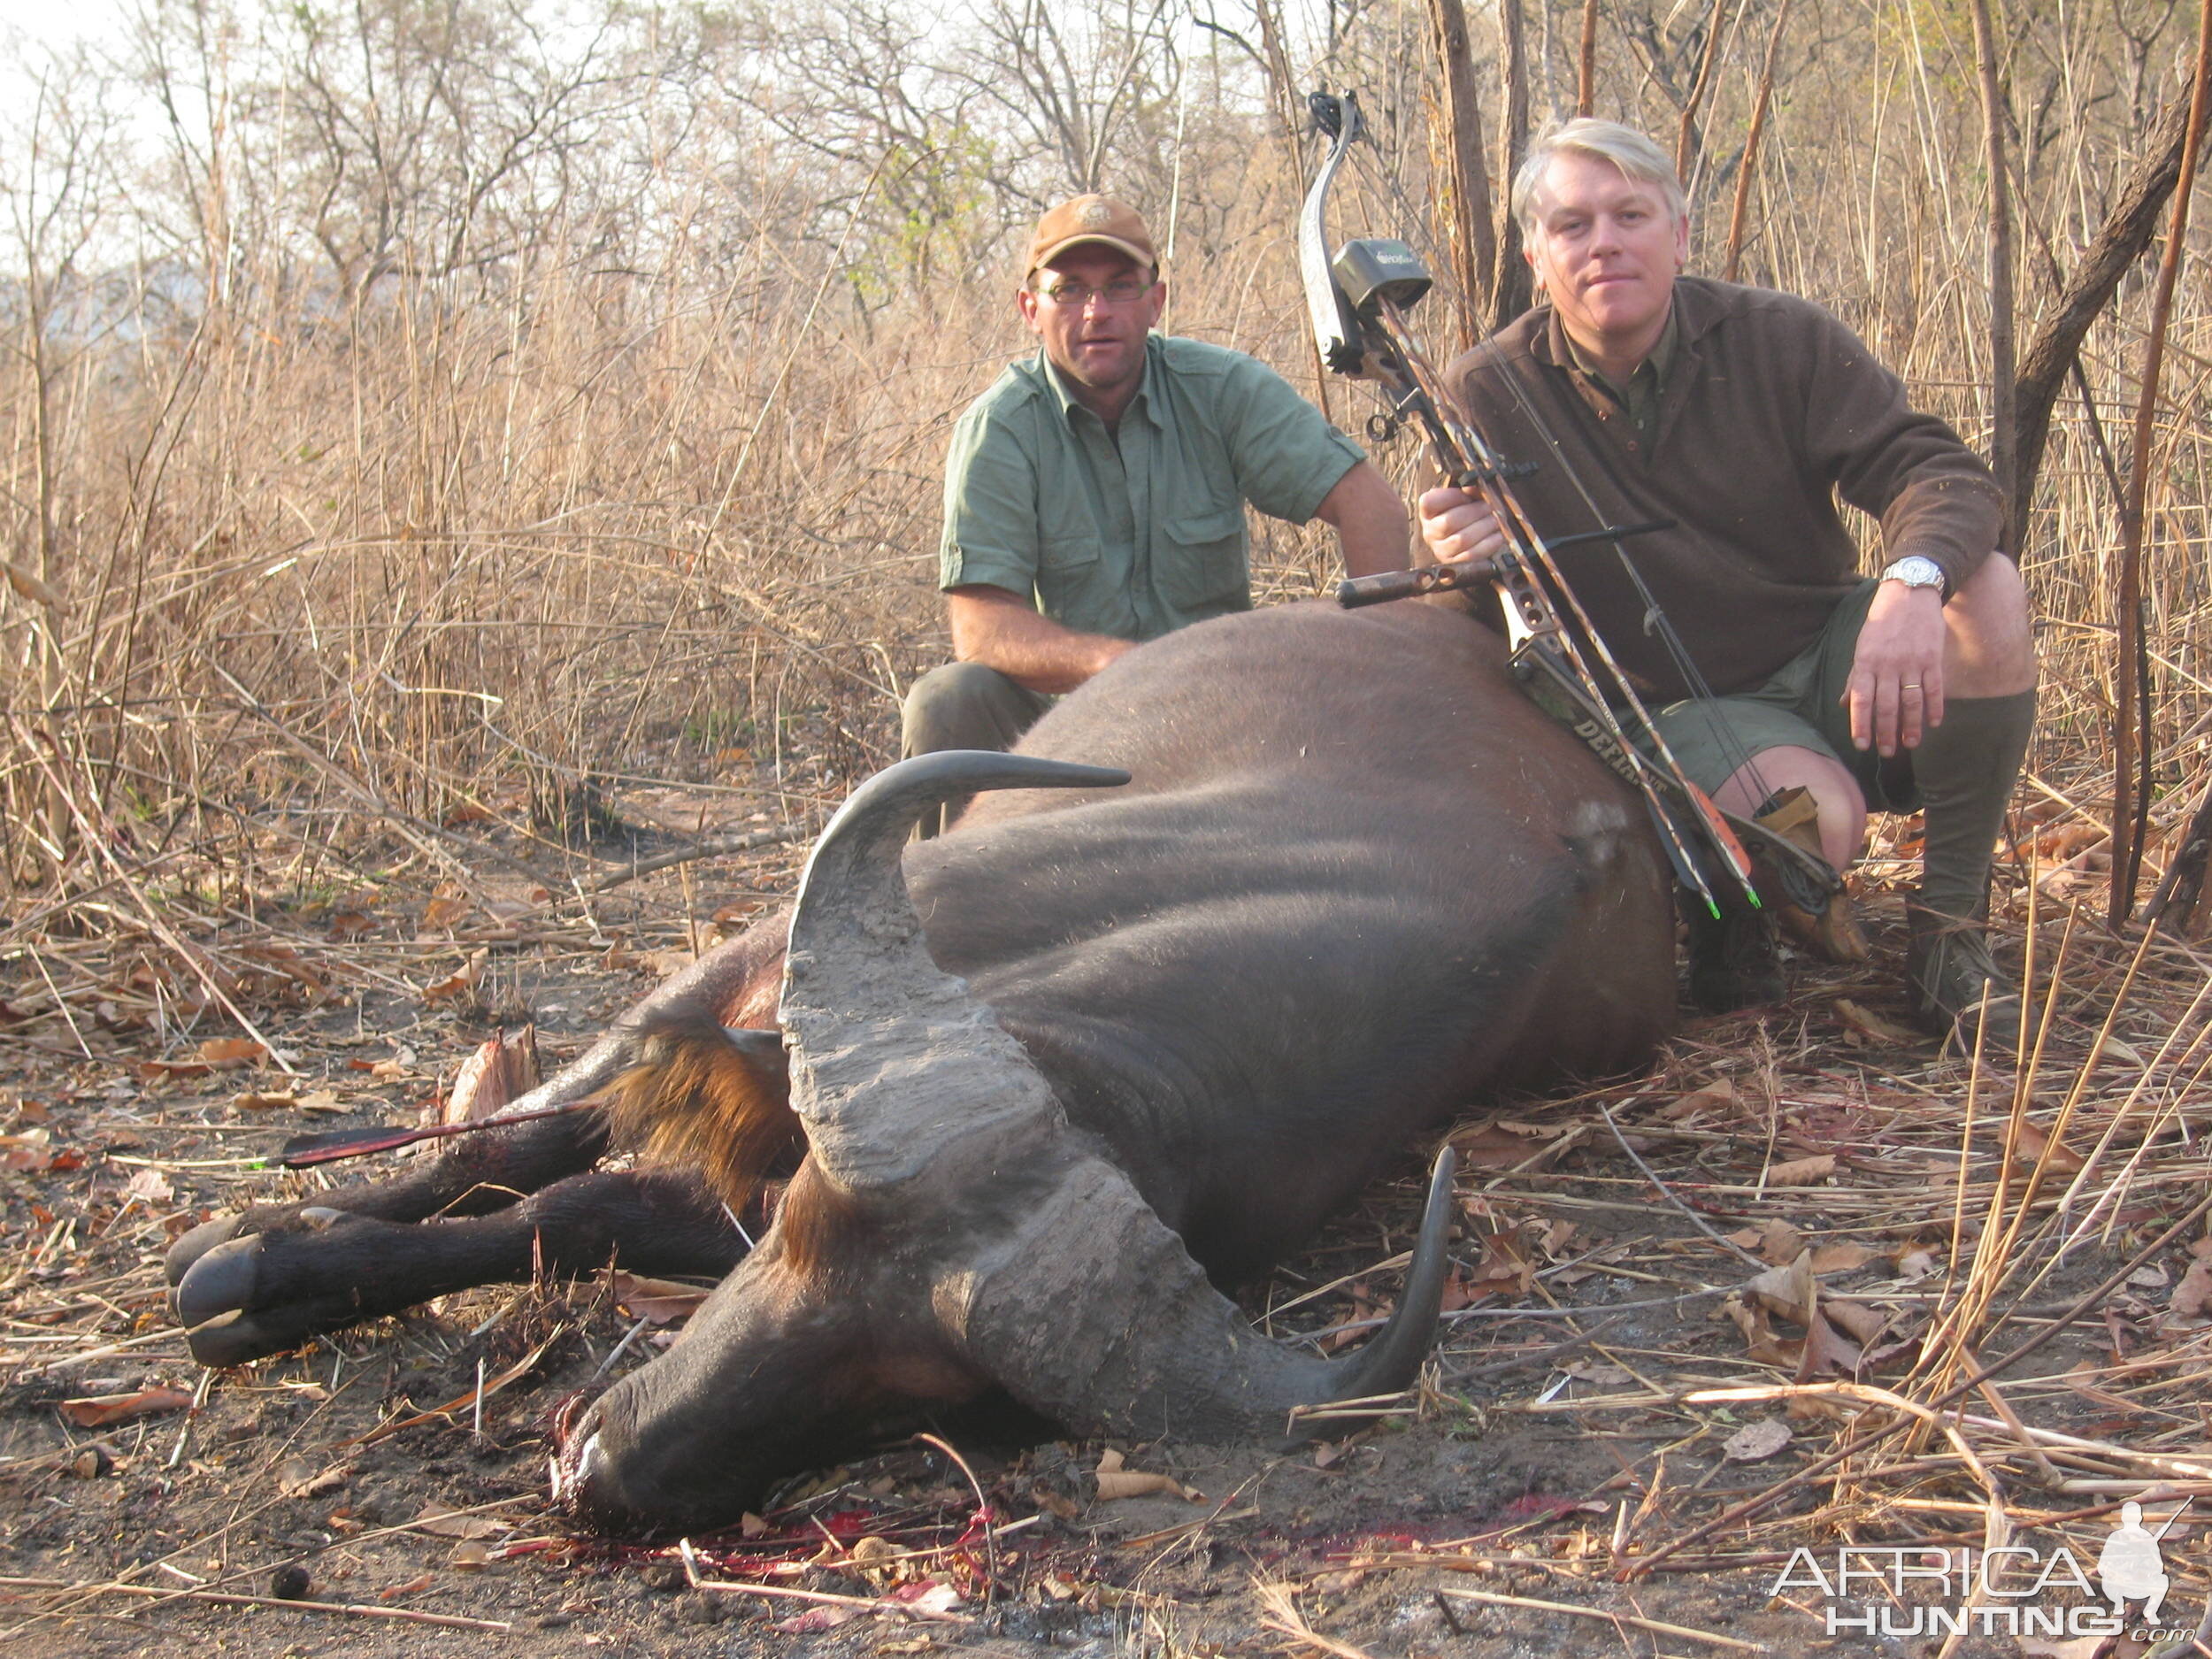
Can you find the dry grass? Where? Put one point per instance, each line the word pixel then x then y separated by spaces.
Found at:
pixel 315 572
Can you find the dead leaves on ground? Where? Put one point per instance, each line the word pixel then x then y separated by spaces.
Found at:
pixel 1756 1442
pixel 151 986
pixel 440 1521
pixel 1501 1256
pixel 315 1100
pixel 2036 1149
pixel 1501 1145
pixel 1863 1024
pixel 300 1477
pixel 460 984
pixel 655 1301
pixel 33 1152
pixel 661 965
pixel 1802 1171
pixel 1838 1336
pixel 1777 1244
pixel 216 1053
pixel 2192 1297
pixel 98 1411
pixel 447 906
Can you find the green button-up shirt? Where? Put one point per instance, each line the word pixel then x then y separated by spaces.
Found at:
pixel 1140 531
pixel 1639 398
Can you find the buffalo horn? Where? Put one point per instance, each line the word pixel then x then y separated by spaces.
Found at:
pixel 1093 1313
pixel 892 1060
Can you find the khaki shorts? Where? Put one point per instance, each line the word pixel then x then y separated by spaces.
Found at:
pixel 1801 707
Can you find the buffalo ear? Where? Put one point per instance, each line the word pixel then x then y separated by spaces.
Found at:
pixel 703 1097
pixel 894 1061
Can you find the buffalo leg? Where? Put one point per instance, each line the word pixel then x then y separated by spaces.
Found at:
pixel 484 1171
pixel 476 1174
pixel 322 1268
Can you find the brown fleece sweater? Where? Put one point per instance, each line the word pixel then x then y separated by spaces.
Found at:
pixel 1770 410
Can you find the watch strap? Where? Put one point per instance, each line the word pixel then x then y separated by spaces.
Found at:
pixel 1917 570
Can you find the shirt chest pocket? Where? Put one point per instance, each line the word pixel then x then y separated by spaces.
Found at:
pixel 1202 560
pixel 1068 568
pixel 1072 551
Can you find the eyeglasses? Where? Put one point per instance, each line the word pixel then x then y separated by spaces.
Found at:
pixel 1120 291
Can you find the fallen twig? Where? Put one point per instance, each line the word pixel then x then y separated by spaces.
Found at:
pixel 719 846
pixel 1184 1528
pixel 1665 1192
pixel 1499 1599
pixel 474 1397
pixel 356 1610
pixel 872 1604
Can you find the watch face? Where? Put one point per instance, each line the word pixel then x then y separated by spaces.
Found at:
pixel 1916 572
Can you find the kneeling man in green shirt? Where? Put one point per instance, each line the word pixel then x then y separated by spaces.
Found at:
pixel 1094 496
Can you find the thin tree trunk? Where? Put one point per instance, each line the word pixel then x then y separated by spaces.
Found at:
pixel 2003 414
pixel 1282 88
pixel 46 636
pixel 1749 168
pixel 2125 234
pixel 1466 205
pixel 1510 289
pixel 2131 745
pixel 1685 137
pixel 1586 64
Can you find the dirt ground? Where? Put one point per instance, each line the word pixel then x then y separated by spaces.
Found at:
pixel 1785 1202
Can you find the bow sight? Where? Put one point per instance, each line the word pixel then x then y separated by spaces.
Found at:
pixel 1375 269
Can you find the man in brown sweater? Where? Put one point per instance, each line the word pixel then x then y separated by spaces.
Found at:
pixel 1744 415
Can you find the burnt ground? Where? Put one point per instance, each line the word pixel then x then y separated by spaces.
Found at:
pixel 1784 1212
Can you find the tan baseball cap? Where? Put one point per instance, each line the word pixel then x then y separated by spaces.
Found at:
pixel 1099 218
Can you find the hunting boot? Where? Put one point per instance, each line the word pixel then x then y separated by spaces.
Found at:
pixel 1954 982
pixel 1966 768
pixel 1829 927
pixel 1733 959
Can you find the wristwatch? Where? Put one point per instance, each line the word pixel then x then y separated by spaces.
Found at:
pixel 1916 570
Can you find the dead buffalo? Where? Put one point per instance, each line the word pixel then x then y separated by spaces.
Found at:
pixel 1094 1048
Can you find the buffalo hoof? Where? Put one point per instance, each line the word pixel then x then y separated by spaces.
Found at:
pixel 192 1246
pixel 261 1219
pixel 244 1298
